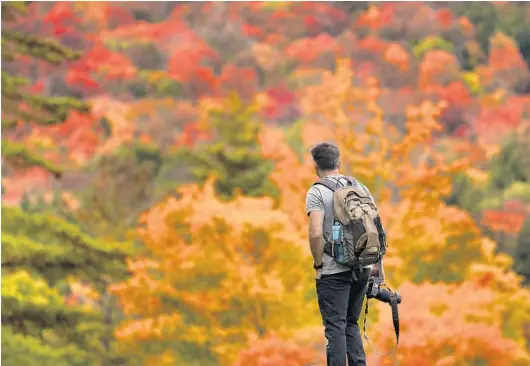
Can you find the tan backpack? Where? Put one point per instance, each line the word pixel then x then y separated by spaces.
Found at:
pixel 358 238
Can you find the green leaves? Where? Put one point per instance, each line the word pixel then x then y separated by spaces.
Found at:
pixel 235 157
pixel 68 250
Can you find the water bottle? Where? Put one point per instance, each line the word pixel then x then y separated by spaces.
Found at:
pixel 338 248
pixel 336 230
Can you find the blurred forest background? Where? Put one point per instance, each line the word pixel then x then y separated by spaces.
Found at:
pixel 155 163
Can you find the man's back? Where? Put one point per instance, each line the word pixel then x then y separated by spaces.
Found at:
pixel 320 198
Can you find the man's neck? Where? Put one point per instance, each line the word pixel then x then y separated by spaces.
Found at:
pixel 330 173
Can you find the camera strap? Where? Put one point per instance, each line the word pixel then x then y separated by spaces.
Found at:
pixel 395 320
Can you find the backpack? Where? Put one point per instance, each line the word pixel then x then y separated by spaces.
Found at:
pixel 358 238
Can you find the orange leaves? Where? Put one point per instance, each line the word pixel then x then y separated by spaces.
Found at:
pixel 437 68
pixel 292 176
pixel 397 56
pixel 116 113
pixel 143 31
pixel 375 17
pixel 308 50
pixel 437 330
pixel 373 45
pixel 274 351
pixel 504 54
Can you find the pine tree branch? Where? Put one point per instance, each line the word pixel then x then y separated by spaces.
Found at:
pixel 44 110
pixel 24 349
pixel 49 50
pixel 12 9
pixel 54 226
pixel 20 155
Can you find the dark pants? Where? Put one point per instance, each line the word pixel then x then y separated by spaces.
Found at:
pixel 340 299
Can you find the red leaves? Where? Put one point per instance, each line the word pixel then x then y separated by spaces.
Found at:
pixel 79 76
pixel 445 18
pixel 60 14
pixel 242 80
pixel 281 104
pixel 187 63
pixel 112 65
pixel 495 121
pixel 252 31
pixel 509 219
pixel 192 134
pixel 78 134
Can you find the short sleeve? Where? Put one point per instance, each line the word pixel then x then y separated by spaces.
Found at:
pixel 314 201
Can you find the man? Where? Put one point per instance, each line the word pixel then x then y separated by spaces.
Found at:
pixel 340 290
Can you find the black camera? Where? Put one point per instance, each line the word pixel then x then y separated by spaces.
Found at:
pixel 375 291
pixel 380 293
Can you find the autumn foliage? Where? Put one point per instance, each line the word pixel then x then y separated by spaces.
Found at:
pixel 188 142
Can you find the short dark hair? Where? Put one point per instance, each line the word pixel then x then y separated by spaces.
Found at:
pixel 326 155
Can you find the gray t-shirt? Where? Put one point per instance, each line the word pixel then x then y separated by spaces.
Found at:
pixel 320 198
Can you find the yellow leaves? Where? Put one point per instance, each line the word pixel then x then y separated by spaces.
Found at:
pixel 167 358
pixel 240 260
pixel 327 98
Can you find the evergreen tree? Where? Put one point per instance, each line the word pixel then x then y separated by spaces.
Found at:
pixel 235 157
pixel 106 208
pixel 38 109
pixel 522 254
pixel 42 255
pixel 46 319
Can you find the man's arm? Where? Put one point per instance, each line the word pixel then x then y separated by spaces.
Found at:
pixel 315 210
pixel 316 238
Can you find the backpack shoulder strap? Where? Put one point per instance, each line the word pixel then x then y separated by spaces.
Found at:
pixel 351 181
pixel 326 183
pixel 354 182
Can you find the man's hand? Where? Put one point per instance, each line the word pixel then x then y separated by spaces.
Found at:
pixel 378 272
pixel 318 273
